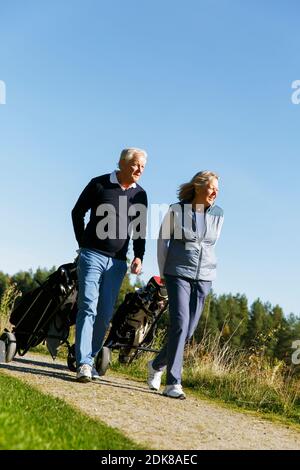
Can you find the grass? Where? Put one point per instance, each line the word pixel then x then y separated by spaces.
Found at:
pixel 32 420
pixel 241 380
pixel 7 301
pixel 244 381
pixel 249 381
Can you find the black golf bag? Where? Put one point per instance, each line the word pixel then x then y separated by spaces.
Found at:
pixel 45 313
pixel 134 324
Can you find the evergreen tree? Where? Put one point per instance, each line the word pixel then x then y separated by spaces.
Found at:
pixel 232 316
pixel 257 323
pixel 277 327
pixel 239 320
pixel 40 276
pixel 264 326
pixel 24 281
pixel 289 332
pixel 125 288
pixel 28 280
pixel 208 324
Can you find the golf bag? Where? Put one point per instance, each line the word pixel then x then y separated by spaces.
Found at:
pixel 134 324
pixel 45 313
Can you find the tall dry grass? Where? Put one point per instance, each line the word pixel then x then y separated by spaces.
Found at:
pixel 7 302
pixel 246 378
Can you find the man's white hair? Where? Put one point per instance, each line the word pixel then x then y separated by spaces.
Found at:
pixel 128 154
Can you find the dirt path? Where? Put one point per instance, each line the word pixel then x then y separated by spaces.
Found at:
pixel 149 418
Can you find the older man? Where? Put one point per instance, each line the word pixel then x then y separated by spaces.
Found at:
pixel 103 248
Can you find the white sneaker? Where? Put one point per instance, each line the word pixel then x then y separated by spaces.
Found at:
pixel 174 391
pixel 84 373
pixel 154 377
pixel 95 374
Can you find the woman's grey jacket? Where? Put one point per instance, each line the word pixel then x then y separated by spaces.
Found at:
pixel 182 250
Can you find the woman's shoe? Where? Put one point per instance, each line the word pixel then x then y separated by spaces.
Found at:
pixel 174 391
pixel 154 377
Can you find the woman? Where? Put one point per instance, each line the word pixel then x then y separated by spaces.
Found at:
pixel 187 263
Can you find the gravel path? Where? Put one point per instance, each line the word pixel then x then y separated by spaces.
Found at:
pixel 149 418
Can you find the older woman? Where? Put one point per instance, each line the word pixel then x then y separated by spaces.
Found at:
pixel 187 262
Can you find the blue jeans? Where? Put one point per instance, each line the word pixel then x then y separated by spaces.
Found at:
pixel 186 302
pixel 99 282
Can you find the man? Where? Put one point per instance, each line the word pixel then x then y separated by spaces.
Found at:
pixel 112 199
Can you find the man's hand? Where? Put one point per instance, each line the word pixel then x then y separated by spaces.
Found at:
pixel 136 266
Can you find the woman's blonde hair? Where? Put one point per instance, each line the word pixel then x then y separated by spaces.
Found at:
pixel 186 191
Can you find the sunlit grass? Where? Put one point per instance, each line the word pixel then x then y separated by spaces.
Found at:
pixel 32 420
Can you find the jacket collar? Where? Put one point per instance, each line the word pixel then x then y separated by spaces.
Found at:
pixel 113 179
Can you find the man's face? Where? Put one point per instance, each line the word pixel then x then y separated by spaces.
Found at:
pixel 133 169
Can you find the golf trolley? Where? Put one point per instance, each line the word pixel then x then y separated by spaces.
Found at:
pixel 134 324
pixel 44 314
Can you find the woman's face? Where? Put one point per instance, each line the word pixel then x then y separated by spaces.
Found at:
pixel 207 194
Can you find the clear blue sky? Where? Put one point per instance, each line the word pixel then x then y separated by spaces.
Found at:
pixel 198 84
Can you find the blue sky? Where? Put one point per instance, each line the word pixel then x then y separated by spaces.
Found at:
pixel 198 84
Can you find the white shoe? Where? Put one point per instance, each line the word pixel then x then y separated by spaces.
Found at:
pixel 174 391
pixel 154 377
pixel 84 373
pixel 95 374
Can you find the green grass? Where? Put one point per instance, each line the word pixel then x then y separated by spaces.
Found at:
pixel 32 420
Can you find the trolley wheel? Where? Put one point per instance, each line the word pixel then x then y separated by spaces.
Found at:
pixel 71 360
pixel 103 360
pixel 123 358
pixel 127 355
pixel 10 345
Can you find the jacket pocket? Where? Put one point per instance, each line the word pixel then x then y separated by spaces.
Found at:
pixel 209 259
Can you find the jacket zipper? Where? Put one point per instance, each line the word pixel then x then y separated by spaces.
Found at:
pixel 200 247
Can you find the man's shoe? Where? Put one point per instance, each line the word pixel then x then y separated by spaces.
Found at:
pixel 154 377
pixel 84 373
pixel 174 391
pixel 95 375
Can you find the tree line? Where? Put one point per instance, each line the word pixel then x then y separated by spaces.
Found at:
pixel 260 326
